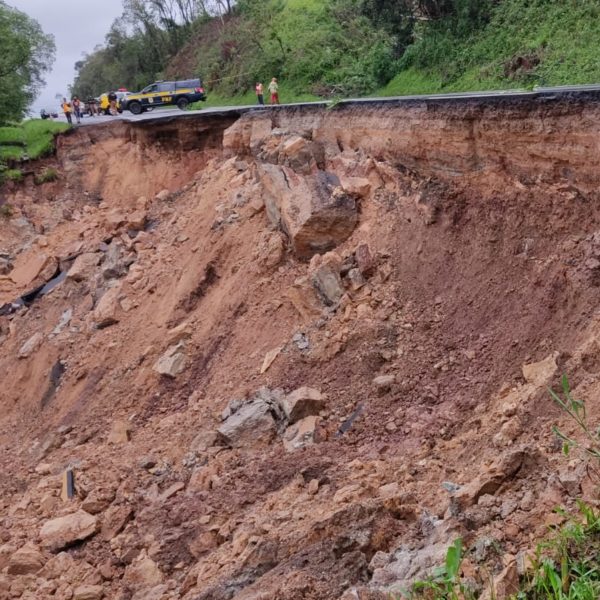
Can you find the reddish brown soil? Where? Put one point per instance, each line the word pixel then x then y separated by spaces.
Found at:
pixel 481 267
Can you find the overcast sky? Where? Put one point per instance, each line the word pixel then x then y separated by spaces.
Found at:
pixel 77 26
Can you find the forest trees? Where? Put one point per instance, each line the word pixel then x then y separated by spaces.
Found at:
pixel 322 47
pixel 26 53
pixel 141 43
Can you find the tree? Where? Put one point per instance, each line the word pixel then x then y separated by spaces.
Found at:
pixel 26 53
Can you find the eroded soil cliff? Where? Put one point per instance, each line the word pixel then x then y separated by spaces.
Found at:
pixel 295 355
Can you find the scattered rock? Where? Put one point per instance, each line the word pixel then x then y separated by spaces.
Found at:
pixel 301 341
pixel 300 434
pixel 143 572
pixel 116 263
pixel 541 373
pixel 358 187
pixel 271 250
pixel 115 519
pixel 303 297
pixel 252 423
pixel 107 309
pixel 489 481
pixel 270 357
pixel 63 531
pixel 205 440
pixel 384 382
pixel 31 345
pixel 84 266
pixel 364 260
pixel 33 267
pixel 98 500
pixel 325 276
pixel 26 560
pixel 172 362
pixel 120 432
pixel 163 195
pixel 303 402
pixel 88 592
pixel 505 584
pixel 355 279
pixel 64 320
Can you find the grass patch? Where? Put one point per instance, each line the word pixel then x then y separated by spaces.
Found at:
pixel 567 565
pixel 11 153
pixel 10 135
pixel 411 81
pixel 46 176
pixel 12 175
pixel 6 211
pixel 39 136
pixel 30 139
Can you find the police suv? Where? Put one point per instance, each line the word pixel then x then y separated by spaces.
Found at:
pixel 164 93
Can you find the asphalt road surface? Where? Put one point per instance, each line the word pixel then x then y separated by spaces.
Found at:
pixel 580 92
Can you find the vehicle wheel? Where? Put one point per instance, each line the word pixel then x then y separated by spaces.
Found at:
pixel 135 107
pixel 182 103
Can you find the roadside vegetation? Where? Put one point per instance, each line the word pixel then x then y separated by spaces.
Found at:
pixel 564 566
pixel 337 48
pixel 26 53
pixel 28 140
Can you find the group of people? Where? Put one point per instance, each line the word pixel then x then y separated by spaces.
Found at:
pixel 273 90
pixel 75 107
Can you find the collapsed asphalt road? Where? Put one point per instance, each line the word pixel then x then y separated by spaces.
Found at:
pixel 578 92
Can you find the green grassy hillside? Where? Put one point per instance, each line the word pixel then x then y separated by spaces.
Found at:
pixel 335 48
pixel 30 139
pixel 525 43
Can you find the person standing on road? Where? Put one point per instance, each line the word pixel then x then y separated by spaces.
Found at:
pixel 259 93
pixel 112 103
pixel 76 102
pixel 274 91
pixel 66 107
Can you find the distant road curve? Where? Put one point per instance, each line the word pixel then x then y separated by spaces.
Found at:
pixel 580 92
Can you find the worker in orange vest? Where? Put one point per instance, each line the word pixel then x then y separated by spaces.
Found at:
pixel 66 106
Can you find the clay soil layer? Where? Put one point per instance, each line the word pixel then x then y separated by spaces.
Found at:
pixel 295 354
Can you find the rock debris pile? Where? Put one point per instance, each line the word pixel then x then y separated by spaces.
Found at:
pixel 295 363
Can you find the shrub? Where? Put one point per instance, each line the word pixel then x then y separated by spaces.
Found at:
pixel 46 176
pixel 6 211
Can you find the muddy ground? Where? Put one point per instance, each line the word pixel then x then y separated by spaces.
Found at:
pixel 427 272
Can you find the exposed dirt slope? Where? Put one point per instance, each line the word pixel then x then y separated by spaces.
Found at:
pixel 402 264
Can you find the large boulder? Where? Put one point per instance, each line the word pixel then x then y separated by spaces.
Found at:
pixel 313 211
pixel 64 531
